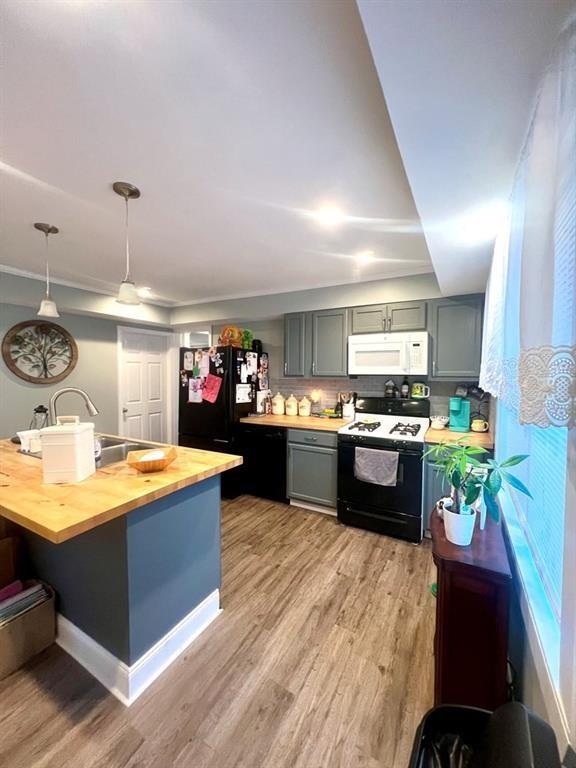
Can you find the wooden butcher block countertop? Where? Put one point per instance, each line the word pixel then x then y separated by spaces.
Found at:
pixel 297 422
pixel 60 512
pixel 479 439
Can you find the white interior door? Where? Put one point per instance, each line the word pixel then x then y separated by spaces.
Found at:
pixel 143 386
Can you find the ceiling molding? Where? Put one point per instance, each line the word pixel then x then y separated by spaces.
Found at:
pixel 4 268
pixel 424 270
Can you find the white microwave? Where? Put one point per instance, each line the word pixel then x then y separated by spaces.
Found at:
pixel 388 354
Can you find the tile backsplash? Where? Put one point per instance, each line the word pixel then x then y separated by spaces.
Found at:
pixel 370 386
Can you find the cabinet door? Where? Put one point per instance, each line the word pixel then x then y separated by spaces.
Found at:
pixel 312 474
pixel 369 319
pixel 295 344
pixel 456 330
pixel 329 343
pixel 435 487
pixel 407 316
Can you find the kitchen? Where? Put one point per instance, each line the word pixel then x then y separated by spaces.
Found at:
pixel 412 347
pixel 286 384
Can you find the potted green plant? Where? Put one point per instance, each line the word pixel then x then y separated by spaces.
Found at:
pixel 473 482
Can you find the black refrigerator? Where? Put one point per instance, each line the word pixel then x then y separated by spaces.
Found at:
pixel 218 386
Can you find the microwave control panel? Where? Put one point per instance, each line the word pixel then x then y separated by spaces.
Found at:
pixel 418 354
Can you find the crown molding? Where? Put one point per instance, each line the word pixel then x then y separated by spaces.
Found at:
pixel 4 268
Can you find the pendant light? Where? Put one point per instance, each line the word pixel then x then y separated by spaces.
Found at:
pixel 127 293
pixel 48 306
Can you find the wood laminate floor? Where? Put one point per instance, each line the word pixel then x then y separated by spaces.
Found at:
pixel 322 658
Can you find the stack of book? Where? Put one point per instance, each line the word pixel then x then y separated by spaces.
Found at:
pixel 18 597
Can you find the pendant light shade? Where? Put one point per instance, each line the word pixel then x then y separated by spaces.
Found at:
pixel 127 293
pixel 48 306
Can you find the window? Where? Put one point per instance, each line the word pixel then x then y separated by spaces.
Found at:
pixel 541 518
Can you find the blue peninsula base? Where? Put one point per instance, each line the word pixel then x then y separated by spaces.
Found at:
pixel 134 592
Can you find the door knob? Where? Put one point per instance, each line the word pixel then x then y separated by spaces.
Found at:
pixel 124 410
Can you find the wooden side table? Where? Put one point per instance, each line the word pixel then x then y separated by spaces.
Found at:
pixel 471 642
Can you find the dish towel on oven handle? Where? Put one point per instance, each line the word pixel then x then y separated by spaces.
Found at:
pixel 376 466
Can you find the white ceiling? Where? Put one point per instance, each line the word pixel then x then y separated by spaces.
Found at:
pixel 232 117
pixel 460 80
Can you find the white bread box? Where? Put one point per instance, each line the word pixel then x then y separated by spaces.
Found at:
pixel 68 452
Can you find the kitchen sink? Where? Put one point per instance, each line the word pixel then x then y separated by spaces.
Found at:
pixel 118 452
pixel 114 449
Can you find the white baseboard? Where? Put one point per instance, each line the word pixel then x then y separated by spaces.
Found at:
pixel 313 507
pixel 128 682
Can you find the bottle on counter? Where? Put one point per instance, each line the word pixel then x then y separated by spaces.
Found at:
pixel 39 417
pixel 405 388
pixel 338 407
pixel 291 406
pixel 278 405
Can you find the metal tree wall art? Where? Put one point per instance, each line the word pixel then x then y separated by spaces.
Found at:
pixel 39 352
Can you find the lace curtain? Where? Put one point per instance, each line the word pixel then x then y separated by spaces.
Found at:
pixel 529 354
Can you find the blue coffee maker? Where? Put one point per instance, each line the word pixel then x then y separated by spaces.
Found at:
pixel 459 414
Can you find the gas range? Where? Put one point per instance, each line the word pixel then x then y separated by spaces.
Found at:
pixel 384 424
pixel 387 427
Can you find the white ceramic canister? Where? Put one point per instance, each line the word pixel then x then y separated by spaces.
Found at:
pixel 291 406
pixel 278 404
pixel 304 407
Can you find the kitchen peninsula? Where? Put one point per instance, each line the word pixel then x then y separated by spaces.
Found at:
pixel 134 558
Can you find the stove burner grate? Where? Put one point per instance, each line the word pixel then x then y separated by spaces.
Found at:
pixel 365 426
pixel 405 429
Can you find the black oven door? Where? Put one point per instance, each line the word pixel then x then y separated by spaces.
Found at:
pixel 394 510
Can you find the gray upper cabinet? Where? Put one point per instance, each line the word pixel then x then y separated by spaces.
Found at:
pixel 295 344
pixel 369 319
pixel 456 331
pixel 407 316
pixel 400 316
pixel 330 342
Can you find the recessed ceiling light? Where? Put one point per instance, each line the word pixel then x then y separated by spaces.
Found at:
pixel 364 257
pixel 330 216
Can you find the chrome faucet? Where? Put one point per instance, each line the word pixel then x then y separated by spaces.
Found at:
pixel 90 407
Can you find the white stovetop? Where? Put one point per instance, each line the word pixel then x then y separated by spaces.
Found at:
pixel 387 423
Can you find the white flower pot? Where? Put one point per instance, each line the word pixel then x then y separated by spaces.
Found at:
pixel 459 528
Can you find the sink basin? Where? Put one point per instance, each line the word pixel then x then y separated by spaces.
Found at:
pixel 119 451
pixel 114 449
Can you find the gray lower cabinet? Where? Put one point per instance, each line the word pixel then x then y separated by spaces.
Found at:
pixel 295 344
pixel 434 488
pixel 399 316
pixel 330 342
pixel 456 337
pixel 312 466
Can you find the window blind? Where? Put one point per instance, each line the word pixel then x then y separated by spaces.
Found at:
pixel 544 472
